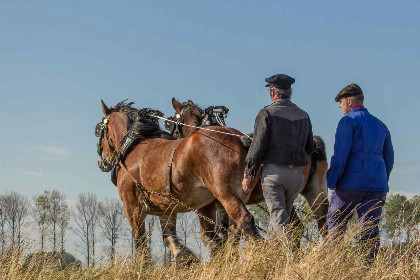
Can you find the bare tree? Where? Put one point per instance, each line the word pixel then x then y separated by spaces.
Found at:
pixel 40 214
pixel 111 221
pixel 2 222
pixel 86 217
pixel 16 210
pixel 184 226
pixel 57 208
pixel 63 224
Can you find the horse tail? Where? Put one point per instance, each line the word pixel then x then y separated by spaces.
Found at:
pixel 319 154
pixel 318 157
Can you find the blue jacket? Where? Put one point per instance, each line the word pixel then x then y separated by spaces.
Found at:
pixel 363 153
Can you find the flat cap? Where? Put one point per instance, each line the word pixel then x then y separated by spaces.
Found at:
pixel 349 91
pixel 281 81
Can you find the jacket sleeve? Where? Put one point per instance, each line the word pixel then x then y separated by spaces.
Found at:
pixel 342 146
pixel 388 154
pixel 310 144
pixel 259 144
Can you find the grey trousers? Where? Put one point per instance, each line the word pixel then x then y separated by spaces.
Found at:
pixel 280 185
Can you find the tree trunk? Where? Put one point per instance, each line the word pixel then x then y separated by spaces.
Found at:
pixel 3 241
pixel 13 235
pixel 54 237
pixel 62 243
pixel 87 246
pixel 42 242
pixel 113 241
pixel 93 248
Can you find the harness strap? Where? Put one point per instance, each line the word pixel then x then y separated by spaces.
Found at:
pixel 169 169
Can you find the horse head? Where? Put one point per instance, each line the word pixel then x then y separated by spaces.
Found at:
pixel 185 113
pixel 110 131
pixel 121 128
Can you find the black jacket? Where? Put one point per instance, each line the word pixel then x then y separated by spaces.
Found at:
pixel 282 136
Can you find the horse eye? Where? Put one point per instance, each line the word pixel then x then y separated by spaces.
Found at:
pixel 177 116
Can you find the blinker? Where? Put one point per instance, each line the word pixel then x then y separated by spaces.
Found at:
pixel 98 130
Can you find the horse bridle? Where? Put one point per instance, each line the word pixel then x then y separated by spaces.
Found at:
pixel 175 128
pixel 101 129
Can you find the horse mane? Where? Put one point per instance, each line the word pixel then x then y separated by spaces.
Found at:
pixel 140 121
pixel 195 106
pixel 128 109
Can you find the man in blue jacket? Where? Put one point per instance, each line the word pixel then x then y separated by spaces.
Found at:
pixel 359 169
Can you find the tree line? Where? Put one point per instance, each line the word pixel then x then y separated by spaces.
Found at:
pixel 50 218
pixel 47 219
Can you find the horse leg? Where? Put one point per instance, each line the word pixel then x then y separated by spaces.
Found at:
pixel 136 215
pixel 179 251
pixel 212 235
pixel 316 195
pixel 237 211
pixel 296 229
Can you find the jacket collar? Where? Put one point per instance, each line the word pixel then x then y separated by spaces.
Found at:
pixel 282 101
pixel 358 109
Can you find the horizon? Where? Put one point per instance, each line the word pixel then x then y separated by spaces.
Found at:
pixel 59 59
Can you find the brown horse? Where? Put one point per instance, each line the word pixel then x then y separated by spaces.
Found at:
pixel 314 187
pixel 206 166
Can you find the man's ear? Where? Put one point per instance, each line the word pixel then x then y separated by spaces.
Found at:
pixel 105 109
pixel 177 106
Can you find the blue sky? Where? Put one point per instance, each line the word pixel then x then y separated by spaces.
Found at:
pixel 59 58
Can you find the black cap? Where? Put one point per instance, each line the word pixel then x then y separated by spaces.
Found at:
pixel 281 81
pixel 349 91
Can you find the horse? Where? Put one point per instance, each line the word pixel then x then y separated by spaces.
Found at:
pixel 200 173
pixel 189 119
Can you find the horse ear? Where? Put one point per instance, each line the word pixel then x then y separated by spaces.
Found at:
pixel 191 103
pixel 177 106
pixel 105 109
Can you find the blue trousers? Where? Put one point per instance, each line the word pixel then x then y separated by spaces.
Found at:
pixel 367 204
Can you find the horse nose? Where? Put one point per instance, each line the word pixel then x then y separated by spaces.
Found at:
pixel 101 164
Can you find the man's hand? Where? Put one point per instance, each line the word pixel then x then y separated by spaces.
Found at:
pixel 246 185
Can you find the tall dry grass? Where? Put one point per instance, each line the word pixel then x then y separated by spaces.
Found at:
pixel 273 259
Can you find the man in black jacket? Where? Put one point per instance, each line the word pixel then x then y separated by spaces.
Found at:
pixel 282 142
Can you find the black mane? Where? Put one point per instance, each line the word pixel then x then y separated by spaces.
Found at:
pixel 128 110
pixel 141 122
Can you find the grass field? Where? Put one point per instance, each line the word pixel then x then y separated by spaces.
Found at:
pixel 274 259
